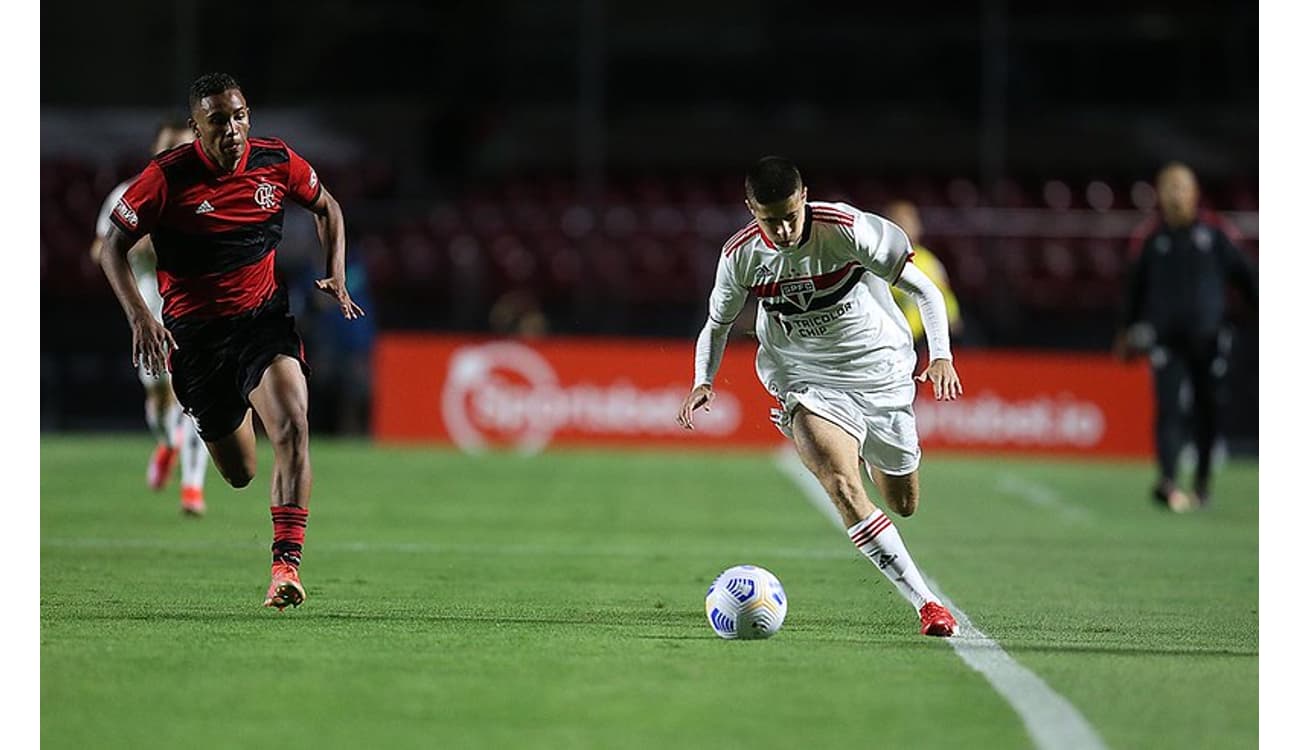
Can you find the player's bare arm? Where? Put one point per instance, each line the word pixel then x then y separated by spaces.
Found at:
pixel 329 227
pixel 150 341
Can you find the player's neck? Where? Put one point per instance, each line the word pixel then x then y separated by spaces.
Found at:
pixel 227 164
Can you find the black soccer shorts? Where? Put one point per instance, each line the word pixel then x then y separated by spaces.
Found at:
pixel 218 362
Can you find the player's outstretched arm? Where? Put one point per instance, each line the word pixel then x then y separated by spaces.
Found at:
pixel 708 358
pixel 940 372
pixel 150 341
pixel 329 227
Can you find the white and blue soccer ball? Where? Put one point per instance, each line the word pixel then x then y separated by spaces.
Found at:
pixel 745 602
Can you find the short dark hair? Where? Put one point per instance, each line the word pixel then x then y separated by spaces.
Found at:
pixel 771 180
pixel 210 84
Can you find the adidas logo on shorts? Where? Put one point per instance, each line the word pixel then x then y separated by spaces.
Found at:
pixel 204 208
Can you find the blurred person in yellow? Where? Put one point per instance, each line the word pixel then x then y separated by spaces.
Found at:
pixel 904 214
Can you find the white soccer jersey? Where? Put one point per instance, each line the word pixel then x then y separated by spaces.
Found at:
pixel 142 263
pixel 826 314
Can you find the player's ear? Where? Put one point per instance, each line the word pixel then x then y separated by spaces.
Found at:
pixel 194 126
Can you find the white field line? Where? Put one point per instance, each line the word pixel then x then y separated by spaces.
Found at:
pixel 1040 495
pixel 1050 720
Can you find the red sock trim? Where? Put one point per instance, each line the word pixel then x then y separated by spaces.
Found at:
pixel 290 526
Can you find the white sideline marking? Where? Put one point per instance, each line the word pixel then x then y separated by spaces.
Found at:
pixel 1040 495
pixel 1052 723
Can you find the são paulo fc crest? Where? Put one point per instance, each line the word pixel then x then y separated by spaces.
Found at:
pixel 799 291
pixel 265 196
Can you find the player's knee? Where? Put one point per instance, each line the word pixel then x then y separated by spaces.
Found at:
pixel 238 477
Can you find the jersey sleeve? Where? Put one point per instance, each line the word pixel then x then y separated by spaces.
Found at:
pixel 104 220
pixel 881 245
pixel 728 296
pixel 304 186
pixel 138 210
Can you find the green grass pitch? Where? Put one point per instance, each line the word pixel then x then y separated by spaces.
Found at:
pixel 557 602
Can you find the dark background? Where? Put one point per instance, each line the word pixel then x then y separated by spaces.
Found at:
pixel 582 159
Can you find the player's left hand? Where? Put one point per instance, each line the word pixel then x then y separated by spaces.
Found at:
pixel 947 386
pixel 338 289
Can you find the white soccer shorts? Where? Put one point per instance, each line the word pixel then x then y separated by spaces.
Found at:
pixel 886 435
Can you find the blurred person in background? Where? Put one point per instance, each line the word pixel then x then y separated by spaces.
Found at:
pixel 837 354
pixel 175 432
pixel 905 215
pixel 341 348
pixel 215 211
pixel 518 314
pixel 1176 308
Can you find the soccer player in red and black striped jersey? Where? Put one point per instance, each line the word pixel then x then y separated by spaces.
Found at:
pixel 215 211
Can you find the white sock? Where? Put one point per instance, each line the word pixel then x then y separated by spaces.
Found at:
pixel 159 424
pixel 172 423
pixel 877 538
pixel 194 455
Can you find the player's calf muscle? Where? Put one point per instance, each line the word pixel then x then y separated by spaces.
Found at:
pixel 903 493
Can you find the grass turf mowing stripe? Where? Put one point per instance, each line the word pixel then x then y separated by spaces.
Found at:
pixel 1052 722
pixel 1040 495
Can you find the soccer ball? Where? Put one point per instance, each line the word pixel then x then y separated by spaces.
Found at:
pixel 745 602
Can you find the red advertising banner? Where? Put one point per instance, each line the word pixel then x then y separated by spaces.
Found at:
pixel 490 393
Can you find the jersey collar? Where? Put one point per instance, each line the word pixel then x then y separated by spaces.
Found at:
pixel 215 168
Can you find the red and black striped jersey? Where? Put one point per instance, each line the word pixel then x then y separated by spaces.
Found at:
pixel 215 232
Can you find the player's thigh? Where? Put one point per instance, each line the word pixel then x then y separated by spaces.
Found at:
pixel 280 399
pixel 891 444
pixel 235 453
pixel 824 446
pixel 203 380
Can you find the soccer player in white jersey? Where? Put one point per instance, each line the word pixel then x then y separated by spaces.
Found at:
pixel 176 433
pixel 836 352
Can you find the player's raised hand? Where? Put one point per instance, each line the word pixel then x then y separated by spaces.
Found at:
pixel 947 386
pixel 151 344
pixel 338 289
pixel 699 396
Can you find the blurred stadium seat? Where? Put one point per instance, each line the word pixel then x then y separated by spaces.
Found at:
pixel 652 243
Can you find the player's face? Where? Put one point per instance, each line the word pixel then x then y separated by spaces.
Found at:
pixel 1176 188
pixel 782 222
pixel 221 123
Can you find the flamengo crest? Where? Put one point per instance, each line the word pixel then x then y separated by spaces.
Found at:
pixel 265 196
pixel 799 291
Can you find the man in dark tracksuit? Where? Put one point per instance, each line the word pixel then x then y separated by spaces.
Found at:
pixel 1177 289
